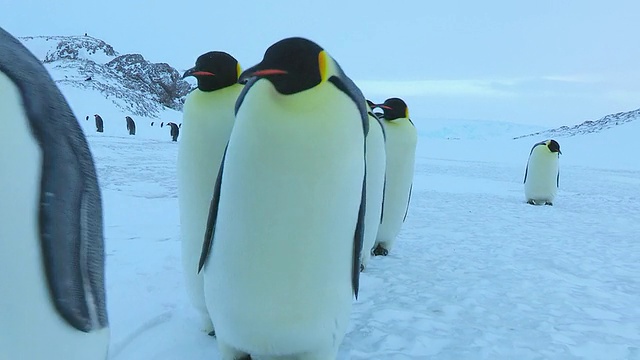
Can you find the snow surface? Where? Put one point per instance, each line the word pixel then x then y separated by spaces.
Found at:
pixel 476 272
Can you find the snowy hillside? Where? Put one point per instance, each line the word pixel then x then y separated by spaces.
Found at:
pixel 589 126
pixel 134 85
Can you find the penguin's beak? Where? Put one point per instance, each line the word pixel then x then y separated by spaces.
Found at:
pixel 256 72
pixel 383 106
pixel 195 72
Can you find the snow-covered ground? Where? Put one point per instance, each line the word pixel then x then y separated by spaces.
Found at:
pixel 476 273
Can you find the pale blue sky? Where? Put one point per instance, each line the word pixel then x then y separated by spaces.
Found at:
pixel 541 62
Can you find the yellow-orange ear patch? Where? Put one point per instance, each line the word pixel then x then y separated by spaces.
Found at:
pixel 323 64
pixel 238 70
pixel 406 112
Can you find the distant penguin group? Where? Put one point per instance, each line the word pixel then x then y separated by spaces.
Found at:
pixel 52 302
pixel 131 126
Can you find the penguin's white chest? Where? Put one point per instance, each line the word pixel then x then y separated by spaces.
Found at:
pixel 376 167
pixel 400 145
pixel 541 183
pixel 278 279
pixel 207 123
pixel 30 327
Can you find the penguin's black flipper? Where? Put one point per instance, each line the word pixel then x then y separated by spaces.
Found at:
pixel 358 240
pixel 384 193
pixel 70 206
pixel 213 216
pixel 346 85
pixel 406 211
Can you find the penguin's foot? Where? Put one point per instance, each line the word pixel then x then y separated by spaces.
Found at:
pixel 230 353
pixel 212 333
pixel 361 267
pixel 379 250
pixel 531 202
pixel 548 203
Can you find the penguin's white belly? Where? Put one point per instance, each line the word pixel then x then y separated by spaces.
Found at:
pixel 30 327
pixel 376 166
pixel 278 279
pixel 542 177
pixel 205 133
pixel 400 150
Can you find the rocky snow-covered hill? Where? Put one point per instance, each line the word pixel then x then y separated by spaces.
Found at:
pixel 133 84
pixel 588 126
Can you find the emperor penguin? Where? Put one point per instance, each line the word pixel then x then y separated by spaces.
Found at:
pixel 400 145
pixel 99 123
pixel 208 116
pixel 175 131
pixel 52 302
pixel 131 125
pixel 542 175
pixel 282 249
pixel 376 167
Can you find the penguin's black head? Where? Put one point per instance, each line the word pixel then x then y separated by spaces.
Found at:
pixel 554 146
pixel 215 70
pixel 292 65
pixel 394 108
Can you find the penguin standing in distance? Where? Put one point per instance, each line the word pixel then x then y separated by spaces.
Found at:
pixel 174 131
pixel 51 232
pixel 87 118
pixel 208 115
pixel 162 124
pixel 400 145
pixel 152 123
pixel 542 175
pixel 376 168
pixel 99 123
pixel 282 249
pixel 131 125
